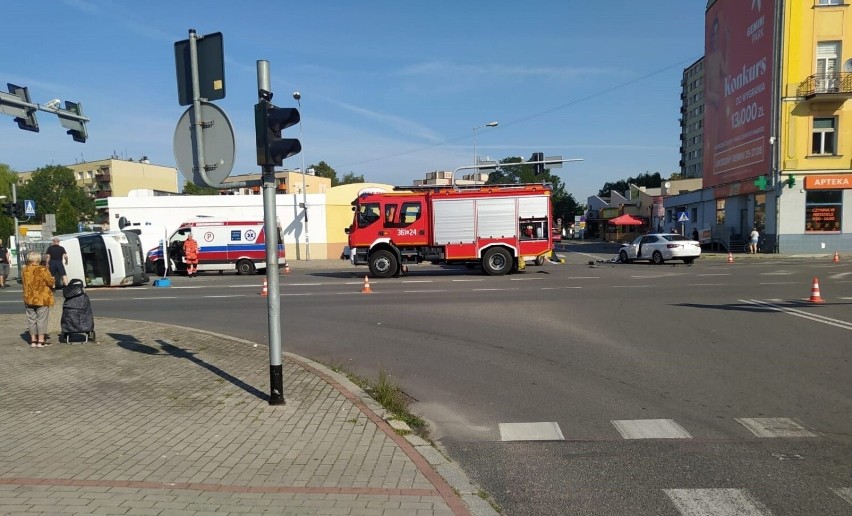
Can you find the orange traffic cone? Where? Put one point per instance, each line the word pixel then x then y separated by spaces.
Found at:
pixel 815 292
pixel 265 291
pixel 730 257
pixel 367 289
pixel 286 268
pixel 836 258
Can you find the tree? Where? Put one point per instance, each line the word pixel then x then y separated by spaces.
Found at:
pixel 7 178
pixel 66 218
pixel 647 180
pixel 350 178
pixel 193 189
pixel 49 185
pixel 323 169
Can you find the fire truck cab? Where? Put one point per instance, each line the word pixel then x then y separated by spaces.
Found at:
pixel 495 226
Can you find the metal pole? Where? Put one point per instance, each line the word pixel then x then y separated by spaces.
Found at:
pixel 17 232
pixel 270 226
pixel 298 98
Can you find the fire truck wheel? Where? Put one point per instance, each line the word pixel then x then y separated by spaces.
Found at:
pixel 539 260
pixel 383 264
pixel 497 261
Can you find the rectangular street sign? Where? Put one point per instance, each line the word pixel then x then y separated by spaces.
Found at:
pixel 211 68
pixel 29 208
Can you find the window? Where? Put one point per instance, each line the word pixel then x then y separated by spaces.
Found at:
pixel 823 210
pixel 826 69
pixel 367 214
pixel 830 2
pixel 720 212
pixel 410 212
pixel 823 136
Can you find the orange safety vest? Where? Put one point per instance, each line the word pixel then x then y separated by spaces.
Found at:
pixel 190 250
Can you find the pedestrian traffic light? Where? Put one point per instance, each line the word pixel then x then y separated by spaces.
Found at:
pixel 791 181
pixel 538 167
pixel 26 118
pixel 269 121
pixel 70 118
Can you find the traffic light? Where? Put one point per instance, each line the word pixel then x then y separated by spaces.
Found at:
pixel 8 209
pixel 27 119
pixel 791 181
pixel 538 167
pixel 269 121
pixel 76 127
pixel 19 210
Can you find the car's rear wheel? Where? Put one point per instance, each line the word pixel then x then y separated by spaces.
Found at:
pixel 245 267
pixel 689 260
pixel 657 257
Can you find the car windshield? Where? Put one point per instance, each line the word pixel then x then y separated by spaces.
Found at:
pixel 675 238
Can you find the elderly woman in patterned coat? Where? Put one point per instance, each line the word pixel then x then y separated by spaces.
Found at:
pixel 38 297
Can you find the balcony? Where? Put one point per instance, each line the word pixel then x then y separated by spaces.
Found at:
pixel 829 86
pixel 102 194
pixel 103 177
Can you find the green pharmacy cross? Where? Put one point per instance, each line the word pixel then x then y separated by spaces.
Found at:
pixel 760 183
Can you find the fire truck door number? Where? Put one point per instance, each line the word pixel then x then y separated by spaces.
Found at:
pixel 406 232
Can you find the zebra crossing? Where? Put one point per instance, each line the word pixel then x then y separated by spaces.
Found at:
pixel 764 427
pixel 709 501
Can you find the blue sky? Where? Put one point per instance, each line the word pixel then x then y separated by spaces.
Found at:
pixel 390 90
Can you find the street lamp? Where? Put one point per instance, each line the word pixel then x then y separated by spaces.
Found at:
pixel 298 96
pixel 475 158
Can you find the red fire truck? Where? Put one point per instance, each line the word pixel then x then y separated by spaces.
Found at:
pixel 496 226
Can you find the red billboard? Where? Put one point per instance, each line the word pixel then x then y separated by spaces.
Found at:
pixel 738 71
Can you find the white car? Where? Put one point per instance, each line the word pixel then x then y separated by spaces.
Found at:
pixel 659 247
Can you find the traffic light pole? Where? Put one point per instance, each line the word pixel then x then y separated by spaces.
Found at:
pixel 17 232
pixel 270 224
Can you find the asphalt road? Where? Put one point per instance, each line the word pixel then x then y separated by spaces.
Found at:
pixel 577 389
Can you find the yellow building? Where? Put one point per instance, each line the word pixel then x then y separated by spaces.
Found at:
pixel 815 130
pixel 117 177
pixel 287 181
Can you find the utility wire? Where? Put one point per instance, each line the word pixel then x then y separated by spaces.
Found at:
pixel 529 117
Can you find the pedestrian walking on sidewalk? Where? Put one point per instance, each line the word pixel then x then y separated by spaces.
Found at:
pixel 38 297
pixel 753 238
pixel 5 263
pixel 190 255
pixel 57 260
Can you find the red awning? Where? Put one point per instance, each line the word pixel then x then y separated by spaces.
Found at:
pixel 626 220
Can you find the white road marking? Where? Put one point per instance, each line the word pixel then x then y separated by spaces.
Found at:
pixel 468 279
pixel 199 286
pixel 585 277
pixel 631 286
pixel 715 274
pixel 777 283
pixel 774 427
pixel 846 325
pixel 706 284
pixel 777 273
pixel 559 288
pixel 297 294
pixel 422 291
pixel 716 502
pixel 233 295
pixel 417 281
pixel 843 492
pixel 245 286
pixel 492 289
pixel 141 298
pixel 839 275
pixel 525 279
pixel 530 432
pixel 650 429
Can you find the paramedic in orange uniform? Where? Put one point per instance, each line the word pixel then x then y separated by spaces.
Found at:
pixel 190 256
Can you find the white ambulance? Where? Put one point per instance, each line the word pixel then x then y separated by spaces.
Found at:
pixel 223 245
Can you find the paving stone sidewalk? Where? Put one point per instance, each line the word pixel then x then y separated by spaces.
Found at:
pixel 160 419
